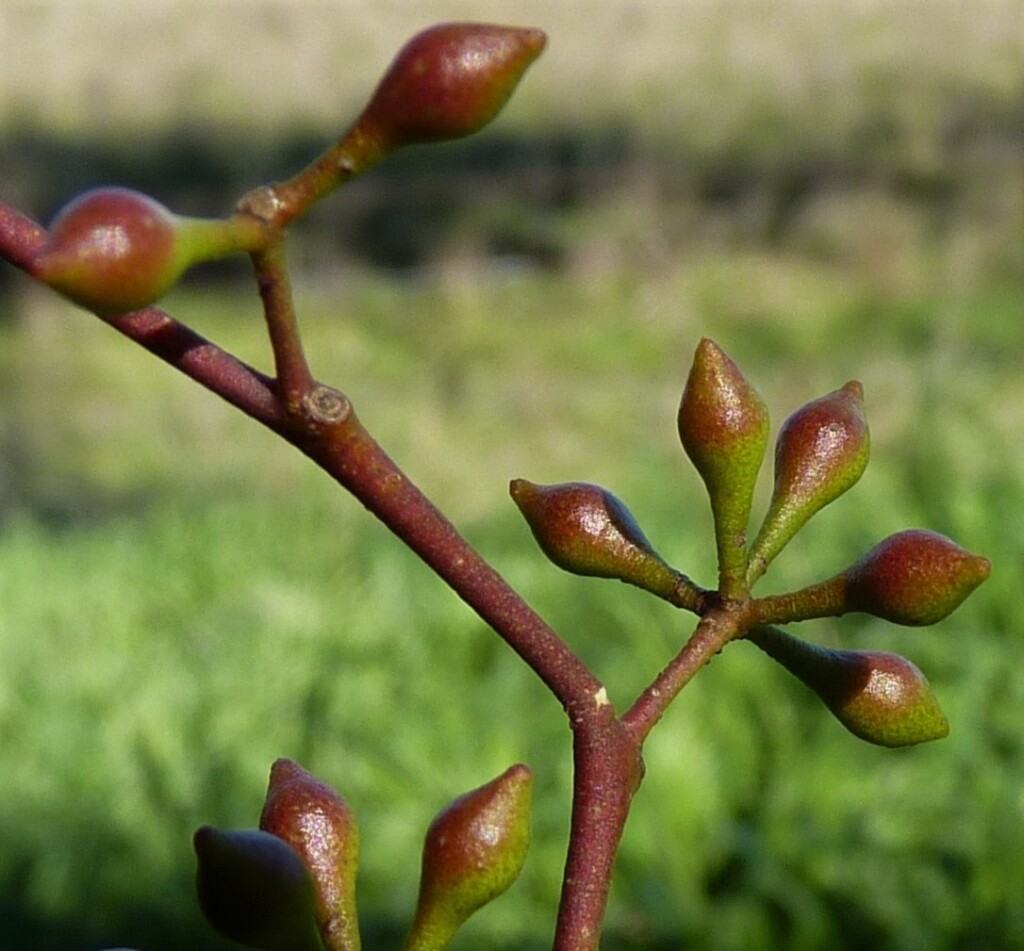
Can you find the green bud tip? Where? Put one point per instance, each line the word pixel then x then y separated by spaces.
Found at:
pixel 880 697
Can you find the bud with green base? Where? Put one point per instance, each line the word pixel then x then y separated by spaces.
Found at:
pixel 114 250
pixel 723 426
pixel 586 530
pixel 878 696
pixel 315 821
pixel 821 451
pixel 474 850
pixel 447 82
pixel 255 889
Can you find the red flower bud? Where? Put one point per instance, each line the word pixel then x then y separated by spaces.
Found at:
pixel 723 426
pixel 586 530
pixel 880 697
pixel 914 577
pixel 114 250
pixel 111 250
pixel 474 850
pixel 821 451
pixel 315 821
pixel 447 82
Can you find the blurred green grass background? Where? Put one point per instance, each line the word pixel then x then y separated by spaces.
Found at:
pixel 830 191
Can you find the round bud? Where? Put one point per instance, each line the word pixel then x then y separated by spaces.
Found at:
pixel 111 250
pixel 915 577
pixel 318 824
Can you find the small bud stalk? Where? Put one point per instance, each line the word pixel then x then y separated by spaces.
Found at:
pixel 447 82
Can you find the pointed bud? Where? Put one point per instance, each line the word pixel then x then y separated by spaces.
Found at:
pixel 447 82
pixel 914 577
pixel 821 451
pixel 880 697
pixel 723 426
pixel 586 530
pixel 315 821
pixel 474 850
pixel 114 250
pixel 254 889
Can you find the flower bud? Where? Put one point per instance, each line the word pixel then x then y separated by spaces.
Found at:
pixel 448 82
pixel 318 824
pixel 254 889
pixel 880 697
pixel 474 850
pixel 113 250
pixel 821 451
pixel 586 530
pixel 723 426
pixel 915 577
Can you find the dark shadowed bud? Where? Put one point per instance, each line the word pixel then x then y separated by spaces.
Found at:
pixel 254 889
pixel 914 577
pixel 448 82
pixel 474 850
pixel 315 821
pixel 586 530
pixel 821 451
pixel 880 697
pixel 114 250
pixel 723 426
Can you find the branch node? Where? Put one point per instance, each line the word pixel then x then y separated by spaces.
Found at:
pixel 326 405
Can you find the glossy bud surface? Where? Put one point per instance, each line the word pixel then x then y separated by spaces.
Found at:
pixel 448 82
pixel 878 696
pixel 111 250
pixel 586 530
pixel 821 451
pixel 723 427
pixel 473 851
pixel 915 577
pixel 315 821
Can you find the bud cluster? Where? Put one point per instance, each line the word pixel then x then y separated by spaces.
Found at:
pixel 915 577
pixel 290 885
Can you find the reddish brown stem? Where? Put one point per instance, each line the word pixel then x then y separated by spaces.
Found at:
pixel 293 375
pixel 722 623
pixel 321 423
